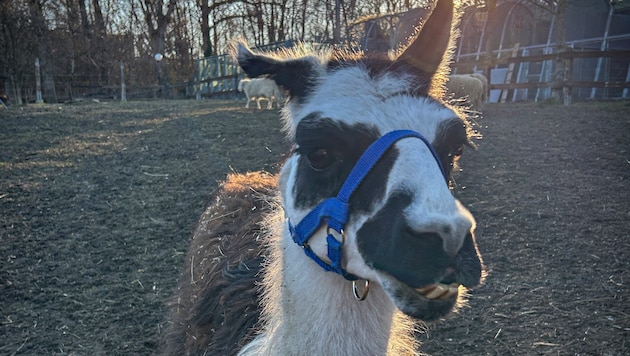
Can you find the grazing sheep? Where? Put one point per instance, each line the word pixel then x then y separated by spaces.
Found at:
pixel 366 207
pixel 467 87
pixel 259 89
pixel 484 81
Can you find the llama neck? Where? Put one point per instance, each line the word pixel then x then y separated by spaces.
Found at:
pixel 309 311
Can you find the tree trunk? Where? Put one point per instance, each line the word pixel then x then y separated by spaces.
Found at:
pixel 271 24
pixel 205 28
pixel 100 51
pixel 283 15
pixel 40 27
pixel 85 23
pixel 303 27
pixel 157 22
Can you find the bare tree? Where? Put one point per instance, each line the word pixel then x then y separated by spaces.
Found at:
pixel 17 39
pixel 40 27
pixel 205 28
pixel 157 18
pixel 81 43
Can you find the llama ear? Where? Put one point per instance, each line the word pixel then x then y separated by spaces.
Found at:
pixel 294 75
pixel 428 49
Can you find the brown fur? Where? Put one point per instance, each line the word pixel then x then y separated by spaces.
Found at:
pixel 218 284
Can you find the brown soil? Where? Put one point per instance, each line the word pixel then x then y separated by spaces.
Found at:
pixel 98 201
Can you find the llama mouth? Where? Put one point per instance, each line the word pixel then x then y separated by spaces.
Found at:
pixel 427 303
pixel 439 291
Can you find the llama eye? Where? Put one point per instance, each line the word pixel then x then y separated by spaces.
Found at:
pixel 320 159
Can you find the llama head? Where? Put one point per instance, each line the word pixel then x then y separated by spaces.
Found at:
pixel 404 229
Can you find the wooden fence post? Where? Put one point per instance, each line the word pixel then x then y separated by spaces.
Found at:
pixel 123 91
pixel 510 72
pixel 625 90
pixel 38 83
pixel 567 88
pixel 198 79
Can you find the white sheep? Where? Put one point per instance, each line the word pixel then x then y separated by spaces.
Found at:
pixel 484 81
pixel 259 89
pixel 468 87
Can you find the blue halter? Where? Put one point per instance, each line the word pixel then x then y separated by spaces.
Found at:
pixel 335 210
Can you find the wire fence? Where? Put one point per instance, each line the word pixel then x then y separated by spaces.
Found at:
pixel 529 73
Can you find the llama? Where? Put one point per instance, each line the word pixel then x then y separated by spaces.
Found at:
pixel 259 89
pixel 466 87
pixel 369 238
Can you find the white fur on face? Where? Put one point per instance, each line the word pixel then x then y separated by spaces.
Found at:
pixel 351 96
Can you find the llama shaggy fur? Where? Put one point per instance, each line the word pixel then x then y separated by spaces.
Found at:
pixel 215 305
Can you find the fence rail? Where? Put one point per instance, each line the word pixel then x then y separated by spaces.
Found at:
pixel 557 72
pixel 217 76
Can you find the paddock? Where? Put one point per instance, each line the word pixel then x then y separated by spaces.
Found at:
pixel 98 201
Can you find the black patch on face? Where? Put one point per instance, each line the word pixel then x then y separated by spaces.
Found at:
pixel 298 77
pixel 451 137
pixel 346 143
pixel 388 244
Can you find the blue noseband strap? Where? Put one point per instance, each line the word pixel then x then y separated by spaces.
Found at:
pixel 335 210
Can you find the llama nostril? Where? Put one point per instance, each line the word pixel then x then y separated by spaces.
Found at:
pixel 452 240
pixel 451 245
pixel 453 233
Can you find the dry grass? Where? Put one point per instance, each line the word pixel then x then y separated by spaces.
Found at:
pixel 98 202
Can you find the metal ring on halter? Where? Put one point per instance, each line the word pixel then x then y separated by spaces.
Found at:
pixel 343 234
pixel 366 290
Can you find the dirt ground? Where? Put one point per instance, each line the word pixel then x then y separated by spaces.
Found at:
pixel 98 201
